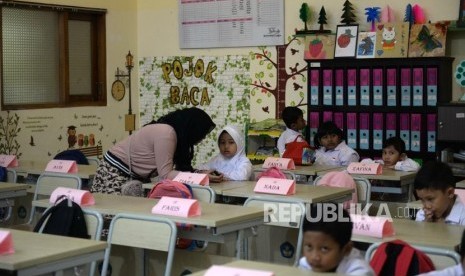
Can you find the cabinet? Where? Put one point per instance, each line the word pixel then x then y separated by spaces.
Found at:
pixel 373 99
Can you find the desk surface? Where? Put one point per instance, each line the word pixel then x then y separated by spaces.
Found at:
pixel 306 170
pixel 11 190
pixel 460 184
pixel 304 192
pixel 38 167
pixel 33 249
pixel 439 235
pixel 388 174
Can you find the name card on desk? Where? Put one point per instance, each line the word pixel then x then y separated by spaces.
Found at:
pixel 269 185
pixel 233 271
pixel 81 197
pixel 377 227
pixel 281 163
pixel 6 243
pixel 365 168
pixel 192 178
pixel 460 194
pixel 62 166
pixel 8 161
pixel 179 207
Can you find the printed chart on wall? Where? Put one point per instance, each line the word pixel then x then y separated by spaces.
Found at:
pixel 230 23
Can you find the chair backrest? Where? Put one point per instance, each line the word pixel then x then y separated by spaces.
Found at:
pixel 293 218
pixel 11 176
pixel 149 232
pixel 203 193
pixel 257 171
pixel 93 160
pixel 363 190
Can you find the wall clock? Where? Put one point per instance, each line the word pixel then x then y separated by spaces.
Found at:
pixel 118 90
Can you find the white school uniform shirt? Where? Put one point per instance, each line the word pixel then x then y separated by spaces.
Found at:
pixel 342 155
pixel 456 270
pixel 237 167
pixel 456 215
pixel 287 136
pixel 407 165
pixel 352 264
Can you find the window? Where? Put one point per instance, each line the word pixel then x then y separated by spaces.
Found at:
pixel 51 56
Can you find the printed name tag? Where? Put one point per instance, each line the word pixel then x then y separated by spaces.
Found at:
pixel 281 163
pixel 62 166
pixel 365 168
pixel 277 186
pixel 81 197
pixel 179 207
pixel 377 227
pixel 192 178
pixel 6 243
pixel 8 161
pixel 216 270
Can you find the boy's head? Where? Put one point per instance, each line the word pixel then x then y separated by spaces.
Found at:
pixel 434 185
pixel 327 236
pixel 393 151
pixel 293 117
pixel 329 135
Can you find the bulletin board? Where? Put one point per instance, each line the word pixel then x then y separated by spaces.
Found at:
pixel 230 23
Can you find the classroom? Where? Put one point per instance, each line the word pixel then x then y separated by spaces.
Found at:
pixel 115 67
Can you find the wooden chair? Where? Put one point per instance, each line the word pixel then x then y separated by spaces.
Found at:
pixel 142 231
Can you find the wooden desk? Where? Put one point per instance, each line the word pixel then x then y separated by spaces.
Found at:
pixel 38 167
pixel 278 270
pixel 11 190
pixel 304 193
pixel 219 188
pixel 312 170
pixel 37 254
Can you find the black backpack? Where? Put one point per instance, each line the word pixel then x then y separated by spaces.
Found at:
pixel 65 218
pixel 3 174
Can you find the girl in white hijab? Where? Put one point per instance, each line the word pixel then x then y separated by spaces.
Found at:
pixel 232 162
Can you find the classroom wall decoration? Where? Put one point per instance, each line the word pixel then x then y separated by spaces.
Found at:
pixel 218 85
pixel 319 46
pixel 427 40
pixel 9 130
pixel 392 39
pixel 366 44
pixel 346 41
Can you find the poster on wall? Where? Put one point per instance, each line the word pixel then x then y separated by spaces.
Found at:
pixel 230 23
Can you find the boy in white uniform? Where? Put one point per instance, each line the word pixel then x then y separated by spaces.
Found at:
pixel 293 117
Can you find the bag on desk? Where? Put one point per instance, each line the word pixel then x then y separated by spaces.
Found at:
pixel 300 151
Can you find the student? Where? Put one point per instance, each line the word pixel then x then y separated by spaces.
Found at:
pixel 293 117
pixel 327 245
pixel 434 185
pixel 232 162
pixel 395 157
pixel 331 147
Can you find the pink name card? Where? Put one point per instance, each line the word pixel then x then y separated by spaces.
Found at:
pixel 378 227
pixel 62 166
pixel 269 185
pixel 6 243
pixel 460 194
pixel 179 207
pixel 81 197
pixel 216 270
pixel 192 178
pixel 280 163
pixel 8 161
pixel 365 168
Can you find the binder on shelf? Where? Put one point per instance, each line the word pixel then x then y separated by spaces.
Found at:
pixel 405 86
pixel 339 119
pixel 391 125
pixel 327 87
pixel 339 81
pixel 415 135
pixel 405 129
pixel 352 130
pixel 417 86
pixel 391 75
pixel 364 138
pixel 364 86
pixel 314 86
pixel 431 132
pixel 314 123
pixel 378 87
pixel 432 86
pixel 351 87
pixel 327 116
pixel 378 131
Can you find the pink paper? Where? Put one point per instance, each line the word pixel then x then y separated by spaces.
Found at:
pixel 6 243
pixel 62 166
pixel 81 197
pixel 216 270
pixel 269 185
pixel 364 168
pixel 179 207
pixel 8 161
pixel 377 227
pixel 192 178
pixel 280 163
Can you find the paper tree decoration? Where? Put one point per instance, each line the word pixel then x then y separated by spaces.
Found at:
pixel 305 14
pixel 387 15
pixel 348 16
pixel 409 16
pixel 322 20
pixel 372 16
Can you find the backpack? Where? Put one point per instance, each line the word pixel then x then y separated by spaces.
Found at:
pixel 300 151
pixel 340 179
pixel 272 172
pixel 3 174
pixel 65 218
pixel 73 155
pixel 401 259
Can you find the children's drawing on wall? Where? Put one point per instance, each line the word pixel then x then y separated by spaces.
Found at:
pixel 9 130
pixel 366 45
pixel 319 46
pixel 271 79
pixel 427 40
pixel 392 39
pixel 72 139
